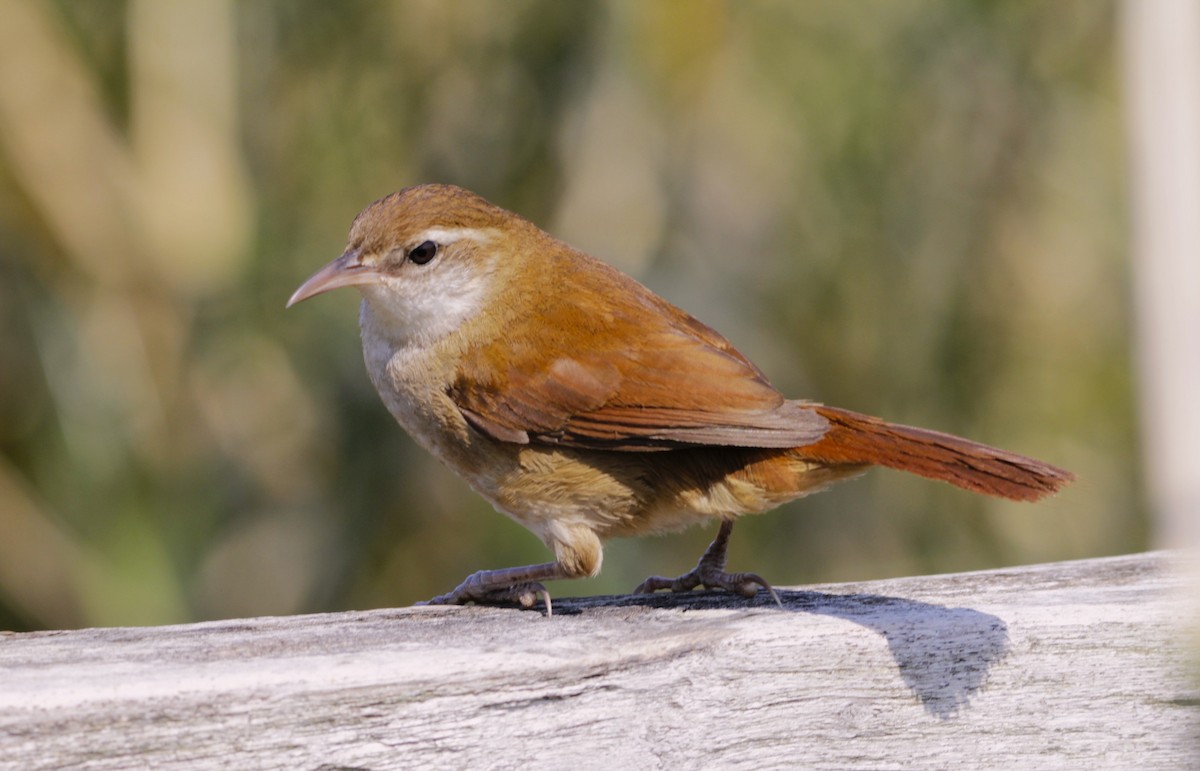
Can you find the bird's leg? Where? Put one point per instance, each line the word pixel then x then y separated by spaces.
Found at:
pixel 521 585
pixel 710 573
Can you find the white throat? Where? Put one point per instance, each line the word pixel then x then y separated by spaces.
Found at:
pixel 421 306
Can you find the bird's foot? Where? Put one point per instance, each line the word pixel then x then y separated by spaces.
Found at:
pixel 499 587
pixel 710 573
pixel 745 584
pixel 524 595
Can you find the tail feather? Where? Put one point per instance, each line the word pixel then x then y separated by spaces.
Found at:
pixel 857 438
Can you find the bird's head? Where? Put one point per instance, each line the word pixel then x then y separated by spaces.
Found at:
pixel 423 258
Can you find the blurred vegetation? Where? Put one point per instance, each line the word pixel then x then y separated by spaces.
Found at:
pixel 905 207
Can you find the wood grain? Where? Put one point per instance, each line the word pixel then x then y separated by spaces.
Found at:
pixel 1072 665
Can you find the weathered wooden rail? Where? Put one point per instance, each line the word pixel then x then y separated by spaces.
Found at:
pixel 1075 665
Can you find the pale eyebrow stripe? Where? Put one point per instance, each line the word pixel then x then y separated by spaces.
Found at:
pixel 450 235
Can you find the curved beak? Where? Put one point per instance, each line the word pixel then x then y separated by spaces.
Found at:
pixel 347 270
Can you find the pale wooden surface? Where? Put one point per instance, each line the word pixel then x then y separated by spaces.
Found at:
pixel 1073 665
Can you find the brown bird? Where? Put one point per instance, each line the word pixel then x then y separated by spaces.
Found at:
pixel 585 406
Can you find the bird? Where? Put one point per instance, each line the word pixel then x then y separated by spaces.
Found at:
pixel 585 407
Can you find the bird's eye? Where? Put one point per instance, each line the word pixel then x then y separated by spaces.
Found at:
pixel 423 253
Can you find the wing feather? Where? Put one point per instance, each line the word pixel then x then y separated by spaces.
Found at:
pixel 651 377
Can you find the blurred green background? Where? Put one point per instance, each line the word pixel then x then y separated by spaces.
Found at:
pixel 908 208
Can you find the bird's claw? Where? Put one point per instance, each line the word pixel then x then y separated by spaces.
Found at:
pixel 744 584
pixel 474 590
pixel 710 573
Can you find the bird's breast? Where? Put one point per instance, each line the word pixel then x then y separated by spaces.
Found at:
pixel 412 381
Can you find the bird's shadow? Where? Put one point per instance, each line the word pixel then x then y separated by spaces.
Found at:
pixel 943 654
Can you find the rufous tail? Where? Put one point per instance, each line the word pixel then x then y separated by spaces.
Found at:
pixel 857 438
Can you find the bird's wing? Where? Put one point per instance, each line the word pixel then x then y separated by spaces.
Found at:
pixel 646 376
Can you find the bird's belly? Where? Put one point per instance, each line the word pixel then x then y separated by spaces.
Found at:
pixel 554 491
pixel 726 482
